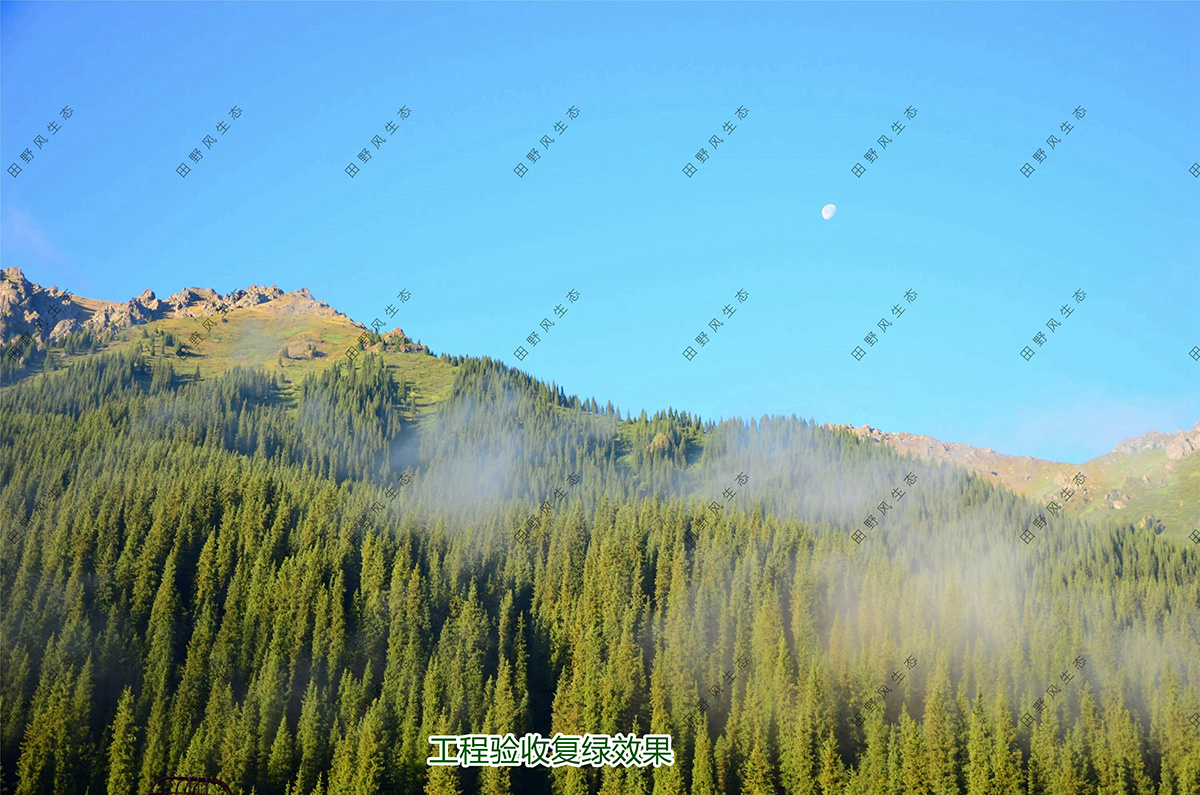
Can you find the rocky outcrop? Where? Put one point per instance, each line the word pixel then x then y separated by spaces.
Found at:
pixel 50 313
pixel 1178 445
pixel 397 340
pixel 1151 522
pixel 1184 443
pixel 1014 470
pixel 1147 441
pixel 983 460
pixel 42 313
pixel 1117 499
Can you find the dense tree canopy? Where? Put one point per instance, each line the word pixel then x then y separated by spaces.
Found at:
pixel 195 594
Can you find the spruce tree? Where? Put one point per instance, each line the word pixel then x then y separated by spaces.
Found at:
pixel 756 772
pixel 832 769
pixel 280 764
pixel 979 751
pixel 702 762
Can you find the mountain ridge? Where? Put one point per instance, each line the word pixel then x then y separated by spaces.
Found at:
pixel 1178 445
pixel 1153 479
pixel 98 316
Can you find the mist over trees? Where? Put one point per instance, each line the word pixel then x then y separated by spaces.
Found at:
pixel 192 596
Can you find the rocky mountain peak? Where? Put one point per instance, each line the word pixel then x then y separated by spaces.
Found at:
pixel 1178 445
pixel 27 308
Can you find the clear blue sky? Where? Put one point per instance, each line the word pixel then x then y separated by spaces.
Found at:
pixel 607 211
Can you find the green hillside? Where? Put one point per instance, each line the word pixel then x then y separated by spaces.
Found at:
pixel 281 337
pixel 226 576
pixel 1149 484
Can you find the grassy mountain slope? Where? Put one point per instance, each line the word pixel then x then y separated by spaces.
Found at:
pixel 291 334
pixel 1137 483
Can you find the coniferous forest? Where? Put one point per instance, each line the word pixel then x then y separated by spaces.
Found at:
pixel 227 577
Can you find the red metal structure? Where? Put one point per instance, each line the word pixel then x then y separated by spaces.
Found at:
pixel 181 785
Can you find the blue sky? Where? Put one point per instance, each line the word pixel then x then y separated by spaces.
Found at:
pixel 607 211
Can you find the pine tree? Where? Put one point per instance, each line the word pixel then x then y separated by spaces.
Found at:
pixel 1124 743
pixel 1088 737
pixel 723 763
pixel 310 738
pixel 893 781
pixel 372 753
pixel 1043 755
pixel 872 775
pixel 702 762
pixel 979 751
pixel 343 772
pixel 280 763
pixel 1070 780
pixel 237 751
pixel 155 758
pixel 914 775
pixel 1006 759
pixel 443 780
pixel 832 770
pixel 940 747
pixel 756 772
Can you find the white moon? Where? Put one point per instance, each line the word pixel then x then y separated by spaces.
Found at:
pixel 828 210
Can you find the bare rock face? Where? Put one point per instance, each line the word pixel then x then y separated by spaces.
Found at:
pixel 396 339
pixel 983 460
pixel 30 309
pixel 1178 445
pixel 1147 441
pixel 1184 443
pixel 49 314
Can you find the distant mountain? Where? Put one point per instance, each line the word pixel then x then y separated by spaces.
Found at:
pixel 1152 480
pixel 1180 444
pixel 22 302
pixel 265 322
pixel 1013 471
